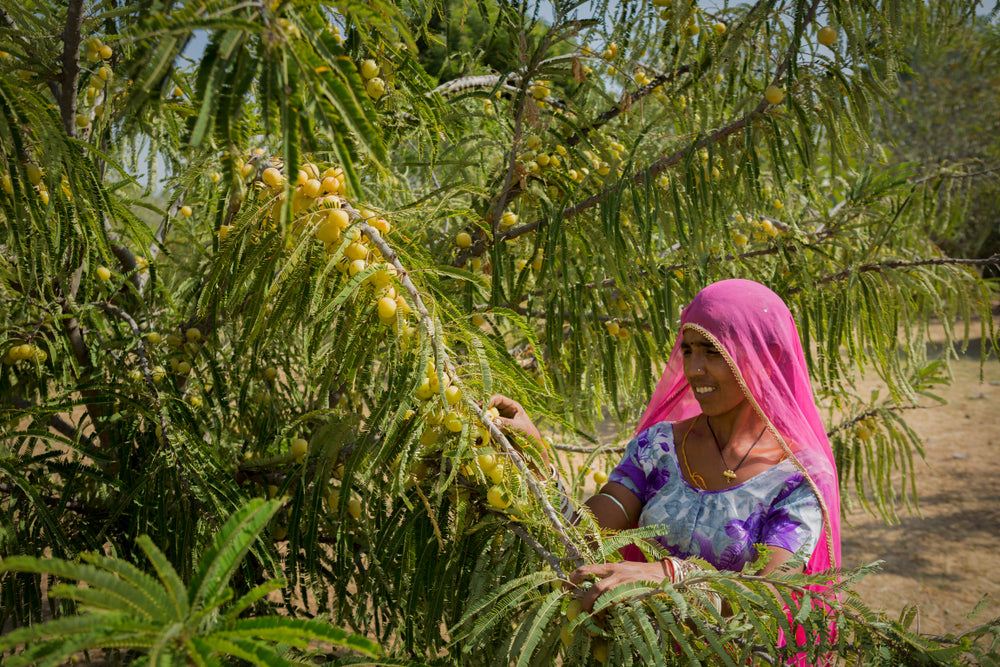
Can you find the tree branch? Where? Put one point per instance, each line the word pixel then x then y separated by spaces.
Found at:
pixel 390 256
pixel 71 65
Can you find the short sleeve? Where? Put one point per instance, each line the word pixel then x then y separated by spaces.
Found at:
pixel 795 520
pixel 641 470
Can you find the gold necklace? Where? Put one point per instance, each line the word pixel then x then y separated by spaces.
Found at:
pixel 695 478
pixel 730 473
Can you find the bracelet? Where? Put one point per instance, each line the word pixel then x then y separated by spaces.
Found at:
pixel 628 519
pixel 669 562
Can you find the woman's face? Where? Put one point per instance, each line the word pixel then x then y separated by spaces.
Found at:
pixel 712 381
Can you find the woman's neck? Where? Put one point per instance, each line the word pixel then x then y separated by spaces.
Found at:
pixel 730 425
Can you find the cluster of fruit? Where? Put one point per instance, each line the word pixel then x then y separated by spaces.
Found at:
pixel 374 84
pixel 35 175
pixel 24 352
pixel 96 52
pixel 754 229
pixel 865 428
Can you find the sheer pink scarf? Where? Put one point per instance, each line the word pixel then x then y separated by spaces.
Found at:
pixel 754 329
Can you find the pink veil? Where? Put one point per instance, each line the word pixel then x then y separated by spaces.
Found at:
pixel 755 331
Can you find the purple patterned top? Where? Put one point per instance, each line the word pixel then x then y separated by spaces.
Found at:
pixel 776 507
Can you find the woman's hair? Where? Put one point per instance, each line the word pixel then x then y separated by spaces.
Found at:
pixel 754 330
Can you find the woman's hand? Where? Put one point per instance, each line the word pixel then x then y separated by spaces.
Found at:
pixel 611 575
pixel 514 419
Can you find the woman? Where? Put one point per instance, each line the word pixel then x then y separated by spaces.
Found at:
pixel 729 454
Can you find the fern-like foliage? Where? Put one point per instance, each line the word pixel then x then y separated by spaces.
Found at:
pixel 160 620
pixel 264 249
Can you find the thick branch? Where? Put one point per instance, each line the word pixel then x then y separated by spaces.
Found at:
pixel 71 65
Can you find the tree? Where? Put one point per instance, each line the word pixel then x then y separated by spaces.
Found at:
pixel 945 127
pixel 352 254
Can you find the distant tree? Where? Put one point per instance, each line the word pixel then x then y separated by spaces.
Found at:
pixel 945 121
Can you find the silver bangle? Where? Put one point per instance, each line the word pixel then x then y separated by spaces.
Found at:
pixel 628 519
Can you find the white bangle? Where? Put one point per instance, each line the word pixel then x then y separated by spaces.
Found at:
pixel 628 519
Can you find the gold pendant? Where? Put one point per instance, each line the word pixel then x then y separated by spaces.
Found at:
pixel 729 475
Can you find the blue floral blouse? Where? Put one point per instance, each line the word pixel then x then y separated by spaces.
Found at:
pixel 776 507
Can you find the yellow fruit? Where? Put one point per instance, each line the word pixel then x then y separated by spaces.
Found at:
pixel 774 95
pixel 826 36
pixel 34 174
pixel 863 432
pixel 82 120
pixel 486 462
pixel 333 498
pixel 135 375
pixel 375 87
pixel 158 373
pixel 497 497
pixel 270 373
pixel 354 507
pixel 105 52
pixel 692 29
pixel 719 28
pixel 387 310
pixel 463 240
pixel 329 229
pixel 177 92
pixel 103 273
pixel 428 437
pixel 478 320
pixel 369 69
pixel 573 609
pixel 8 186
pixel 153 338
pixel 193 334
pixel 508 219
pixel 495 473
pixel 356 251
pixel 740 238
pixel 540 92
pixel 356 267
pixel 214 176
pixel 183 367
pixel 311 188
pixel 194 400
pixel 224 231
pixel 453 394
pixel 424 391
pixel 381 224
pixel 453 421
pixel 104 74
pixel 299 447
pixel 599 649
pixel 600 477
pixel 273 178
pixel 613 327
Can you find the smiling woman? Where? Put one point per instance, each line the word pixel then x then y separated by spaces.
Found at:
pixel 730 453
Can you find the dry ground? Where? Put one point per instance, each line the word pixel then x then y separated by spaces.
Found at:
pixel 944 557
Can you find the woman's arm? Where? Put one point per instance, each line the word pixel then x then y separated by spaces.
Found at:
pixel 615 507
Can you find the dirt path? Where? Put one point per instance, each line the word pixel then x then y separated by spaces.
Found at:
pixel 945 558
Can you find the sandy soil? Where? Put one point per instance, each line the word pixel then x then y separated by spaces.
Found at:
pixel 944 556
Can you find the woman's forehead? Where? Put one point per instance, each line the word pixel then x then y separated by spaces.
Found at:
pixel 696 338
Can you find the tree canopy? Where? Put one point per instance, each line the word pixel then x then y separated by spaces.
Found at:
pixel 286 249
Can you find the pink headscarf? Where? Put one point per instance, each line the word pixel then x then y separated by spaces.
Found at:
pixel 754 330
